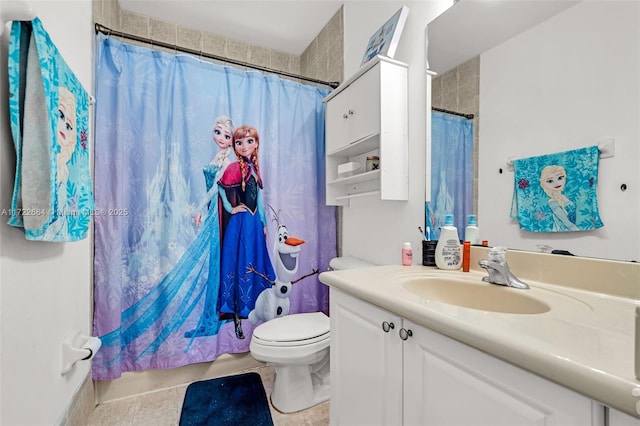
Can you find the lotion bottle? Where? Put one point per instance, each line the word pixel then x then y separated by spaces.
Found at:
pixel 407 254
pixel 471 232
pixel 448 250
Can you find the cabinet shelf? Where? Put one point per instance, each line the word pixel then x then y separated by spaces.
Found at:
pixel 361 146
pixel 360 177
pixel 356 195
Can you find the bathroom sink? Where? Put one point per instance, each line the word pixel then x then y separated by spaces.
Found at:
pixel 480 295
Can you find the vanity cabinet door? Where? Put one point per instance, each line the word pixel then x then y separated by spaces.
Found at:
pixel 366 363
pixel 447 382
pixel 618 418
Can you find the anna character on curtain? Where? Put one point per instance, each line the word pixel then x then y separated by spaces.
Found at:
pixel 244 246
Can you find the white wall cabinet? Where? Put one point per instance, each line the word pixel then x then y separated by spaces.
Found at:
pixel 368 115
pixel 377 378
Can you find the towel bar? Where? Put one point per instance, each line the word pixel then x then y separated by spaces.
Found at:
pixel 15 10
pixel 607 148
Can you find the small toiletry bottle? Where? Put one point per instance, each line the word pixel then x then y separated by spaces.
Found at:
pixel 373 163
pixel 407 254
pixel 471 232
pixel 466 256
pixel 448 250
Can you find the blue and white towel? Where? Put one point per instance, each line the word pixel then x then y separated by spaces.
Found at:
pixel 53 196
pixel 557 192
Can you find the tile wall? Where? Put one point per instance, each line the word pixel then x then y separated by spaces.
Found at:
pixel 322 59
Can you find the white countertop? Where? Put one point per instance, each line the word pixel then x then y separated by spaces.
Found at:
pixel 585 342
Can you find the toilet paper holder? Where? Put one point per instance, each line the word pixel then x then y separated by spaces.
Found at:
pixel 77 347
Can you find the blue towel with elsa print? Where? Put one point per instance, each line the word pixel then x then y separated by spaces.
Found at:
pixel 49 109
pixel 557 192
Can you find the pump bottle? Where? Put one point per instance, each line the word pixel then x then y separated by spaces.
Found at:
pixel 471 232
pixel 448 250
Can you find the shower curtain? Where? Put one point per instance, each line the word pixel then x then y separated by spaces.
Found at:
pixel 452 172
pixel 194 225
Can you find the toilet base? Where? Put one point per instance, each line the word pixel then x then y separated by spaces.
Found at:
pixel 299 387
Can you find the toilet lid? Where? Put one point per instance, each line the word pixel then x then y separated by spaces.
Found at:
pixel 293 328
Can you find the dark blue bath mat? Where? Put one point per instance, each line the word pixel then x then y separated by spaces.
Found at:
pixel 231 400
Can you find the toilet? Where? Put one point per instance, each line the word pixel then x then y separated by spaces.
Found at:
pixel 297 345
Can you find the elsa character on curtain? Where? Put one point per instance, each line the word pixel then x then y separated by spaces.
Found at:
pixel 244 246
pixel 66 139
pixel 552 180
pixel 222 135
pixel 200 262
pixel 223 129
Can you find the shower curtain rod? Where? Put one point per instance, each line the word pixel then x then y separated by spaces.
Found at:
pixel 446 111
pixel 108 31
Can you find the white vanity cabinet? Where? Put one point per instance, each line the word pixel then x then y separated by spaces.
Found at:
pixel 367 115
pixel 430 379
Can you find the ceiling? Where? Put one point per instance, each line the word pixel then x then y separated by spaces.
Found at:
pixel 471 27
pixel 467 29
pixel 289 26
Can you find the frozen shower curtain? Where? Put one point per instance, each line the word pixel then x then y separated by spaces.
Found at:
pixel 209 193
pixel 452 172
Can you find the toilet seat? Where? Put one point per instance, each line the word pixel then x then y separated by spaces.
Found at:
pixel 293 330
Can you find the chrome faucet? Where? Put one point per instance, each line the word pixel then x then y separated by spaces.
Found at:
pixel 498 269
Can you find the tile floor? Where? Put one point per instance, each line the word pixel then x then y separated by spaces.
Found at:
pixel 162 408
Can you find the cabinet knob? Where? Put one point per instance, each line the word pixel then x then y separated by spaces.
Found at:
pixel 345 116
pixel 386 326
pixel 405 334
pixel 351 112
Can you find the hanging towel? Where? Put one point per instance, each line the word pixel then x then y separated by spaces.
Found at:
pixel 557 192
pixel 49 109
